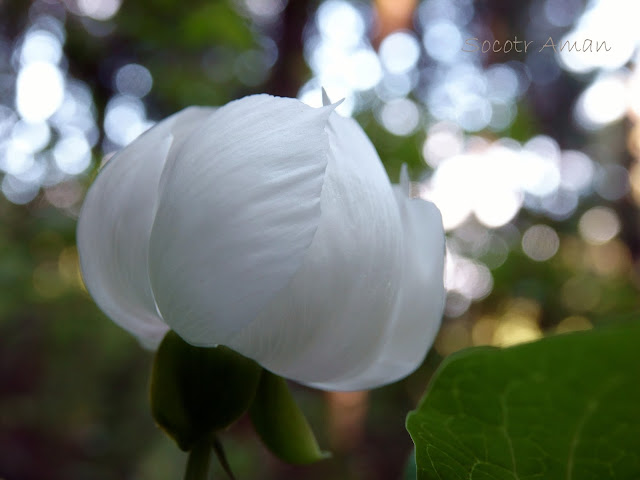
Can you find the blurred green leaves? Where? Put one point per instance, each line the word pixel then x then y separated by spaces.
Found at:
pixel 197 24
pixel 563 407
pixel 190 48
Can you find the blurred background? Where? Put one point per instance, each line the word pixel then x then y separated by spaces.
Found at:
pixel 531 157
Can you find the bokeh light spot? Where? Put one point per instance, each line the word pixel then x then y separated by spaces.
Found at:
pixel 339 22
pixel 99 9
pixel 603 102
pixel 442 41
pixel 573 323
pixel 598 225
pixel 72 154
pixel 40 46
pixel 580 294
pixel 399 52
pixel 401 117
pixel 453 336
pixel 540 242
pixel 39 91
pixel 133 79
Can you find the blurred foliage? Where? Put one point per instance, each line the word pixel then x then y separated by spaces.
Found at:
pixel 74 387
pixel 71 382
pixel 189 48
pixel 195 25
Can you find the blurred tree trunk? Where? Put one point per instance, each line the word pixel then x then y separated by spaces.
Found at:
pixel 290 70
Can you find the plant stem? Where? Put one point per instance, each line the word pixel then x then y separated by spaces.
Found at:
pixel 199 460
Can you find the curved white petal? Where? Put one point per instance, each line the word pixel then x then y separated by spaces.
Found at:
pixel 239 206
pixel 420 304
pixel 115 223
pixel 333 316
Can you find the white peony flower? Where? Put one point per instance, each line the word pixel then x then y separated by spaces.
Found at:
pixel 270 227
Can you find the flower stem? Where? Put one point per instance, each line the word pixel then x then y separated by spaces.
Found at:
pixel 199 460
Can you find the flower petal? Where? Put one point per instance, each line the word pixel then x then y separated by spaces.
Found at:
pixel 239 206
pixel 416 320
pixel 115 224
pixel 333 316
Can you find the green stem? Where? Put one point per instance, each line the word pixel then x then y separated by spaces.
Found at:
pixel 199 460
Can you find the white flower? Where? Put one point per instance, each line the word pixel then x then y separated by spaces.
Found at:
pixel 270 227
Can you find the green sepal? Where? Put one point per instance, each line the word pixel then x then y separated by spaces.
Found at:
pixel 197 391
pixel 281 424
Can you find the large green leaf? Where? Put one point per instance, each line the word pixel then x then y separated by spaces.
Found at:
pixel 566 407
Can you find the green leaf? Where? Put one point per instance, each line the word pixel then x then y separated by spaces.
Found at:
pixel 566 407
pixel 281 425
pixel 197 391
